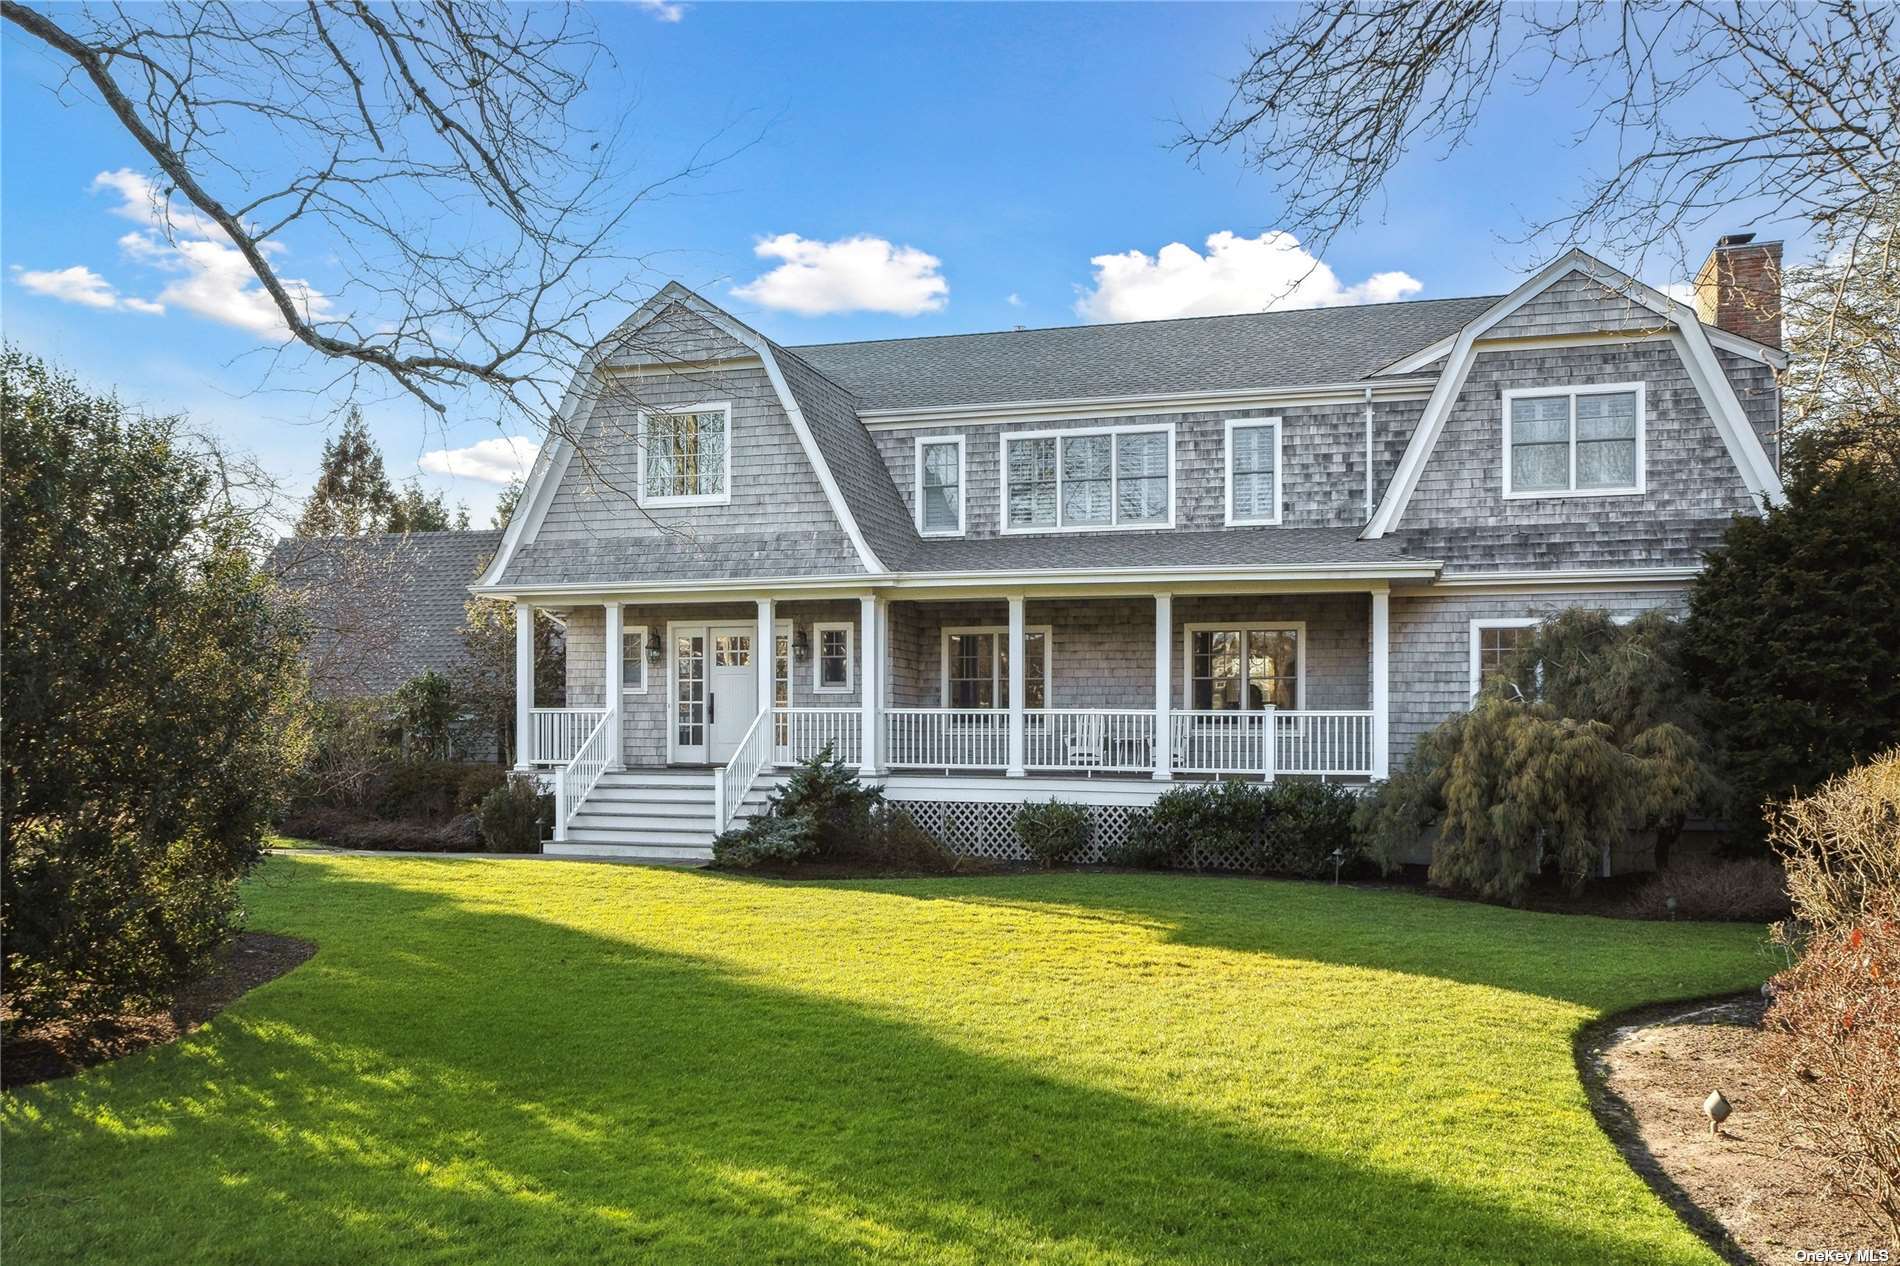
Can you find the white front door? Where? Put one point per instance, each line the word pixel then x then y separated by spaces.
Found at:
pixel 732 689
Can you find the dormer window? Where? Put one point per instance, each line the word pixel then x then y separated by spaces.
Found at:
pixel 685 456
pixel 1253 471
pixel 1092 480
pixel 1574 442
pixel 940 486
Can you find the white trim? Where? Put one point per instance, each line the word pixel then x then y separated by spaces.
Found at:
pixel 1478 626
pixel 1297 627
pixel 683 368
pixel 550 463
pixel 1227 469
pixel 1001 631
pixel 1064 409
pixel 1727 340
pixel 1058 528
pixel 627 631
pixel 818 686
pixel 997 789
pixel 1605 578
pixel 963 485
pixel 1705 370
pixel 1641 392
pixel 720 498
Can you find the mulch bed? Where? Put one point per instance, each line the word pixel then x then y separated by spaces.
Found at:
pixel 1747 1193
pixel 61 1048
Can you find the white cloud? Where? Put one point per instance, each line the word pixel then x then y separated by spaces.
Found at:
pixel 83 286
pixel 1014 300
pixel 493 461
pixel 663 10
pixel 1237 274
pixel 852 274
pixel 1680 291
pixel 213 278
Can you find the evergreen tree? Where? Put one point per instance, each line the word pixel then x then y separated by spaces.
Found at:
pixel 352 496
pixel 415 511
pixel 506 501
pixel 1794 635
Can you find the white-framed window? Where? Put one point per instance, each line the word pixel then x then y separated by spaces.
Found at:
pixel 1253 471
pixel 831 671
pixel 1244 667
pixel 1493 642
pixel 976 667
pixel 686 455
pixel 1574 441
pixel 940 481
pixel 633 659
pixel 1091 480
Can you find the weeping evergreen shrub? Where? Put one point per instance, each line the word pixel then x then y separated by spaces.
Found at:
pixel 1588 737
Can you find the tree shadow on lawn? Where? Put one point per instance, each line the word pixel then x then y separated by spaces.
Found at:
pixel 1598 963
pixel 453 1083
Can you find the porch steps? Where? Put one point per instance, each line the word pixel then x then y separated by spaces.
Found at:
pixel 653 815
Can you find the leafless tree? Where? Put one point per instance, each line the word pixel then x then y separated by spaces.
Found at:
pixel 433 149
pixel 1790 108
pixel 1841 394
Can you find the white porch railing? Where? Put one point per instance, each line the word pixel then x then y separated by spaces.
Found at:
pixel 947 738
pixel 574 779
pixel 1211 742
pixel 1089 739
pixel 557 733
pixel 1331 743
pixel 801 733
pixel 734 779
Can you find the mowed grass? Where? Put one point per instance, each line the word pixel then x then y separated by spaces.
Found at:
pixel 508 1061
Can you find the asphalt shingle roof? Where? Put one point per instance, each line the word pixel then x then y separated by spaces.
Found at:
pixel 1224 547
pixel 383 608
pixel 1308 346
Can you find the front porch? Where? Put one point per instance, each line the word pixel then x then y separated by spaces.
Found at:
pixel 1116 687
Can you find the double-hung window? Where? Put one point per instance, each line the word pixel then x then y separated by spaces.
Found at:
pixel 1494 642
pixel 831 668
pixel 1253 470
pixel 1576 441
pixel 633 659
pixel 940 486
pixel 1084 480
pixel 976 668
pixel 1241 669
pixel 686 456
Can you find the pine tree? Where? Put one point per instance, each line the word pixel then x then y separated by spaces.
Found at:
pixel 352 496
pixel 415 511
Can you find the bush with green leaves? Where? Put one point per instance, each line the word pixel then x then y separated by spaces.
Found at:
pixel 1053 832
pixel 1794 636
pixel 1587 737
pixel 1282 827
pixel 823 813
pixel 155 702
pixel 516 816
pixel 765 839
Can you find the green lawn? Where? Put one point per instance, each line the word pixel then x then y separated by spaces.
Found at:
pixel 549 1062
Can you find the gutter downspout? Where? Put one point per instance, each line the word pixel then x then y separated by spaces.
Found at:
pixel 1368 454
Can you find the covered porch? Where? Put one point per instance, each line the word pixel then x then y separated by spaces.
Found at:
pixel 1259 681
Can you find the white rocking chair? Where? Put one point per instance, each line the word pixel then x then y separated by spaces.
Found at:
pixel 1085 746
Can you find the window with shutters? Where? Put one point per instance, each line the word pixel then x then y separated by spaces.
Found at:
pixel 1574 442
pixel 1093 480
pixel 1253 470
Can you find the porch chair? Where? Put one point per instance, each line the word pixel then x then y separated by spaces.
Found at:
pixel 1085 741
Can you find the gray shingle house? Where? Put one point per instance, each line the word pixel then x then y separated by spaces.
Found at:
pixel 1088 562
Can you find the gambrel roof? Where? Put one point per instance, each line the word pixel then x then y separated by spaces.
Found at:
pixel 1298 347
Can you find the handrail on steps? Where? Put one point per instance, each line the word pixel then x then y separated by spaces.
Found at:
pixel 734 779
pixel 574 780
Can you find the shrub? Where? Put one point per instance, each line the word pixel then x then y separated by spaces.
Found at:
pixel 1282 827
pixel 476 784
pixel 1841 845
pixel 515 816
pixel 426 789
pixel 1743 890
pixel 827 795
pixel 1794 635
pixel 765 839
pixel 1054 831
pixel 1307 823
pixel 1832 1034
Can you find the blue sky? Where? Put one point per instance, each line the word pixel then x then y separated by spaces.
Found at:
pixel 929 169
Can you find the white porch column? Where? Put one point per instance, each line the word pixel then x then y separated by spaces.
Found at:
pixel 524 685
pixel 1381 684
pixel 1018 685
pixel 870 680
pixel 611 697
pixel 1164 686
pixel 766 655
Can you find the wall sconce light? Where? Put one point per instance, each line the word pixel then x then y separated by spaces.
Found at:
pixel 801 646
pixel 655 647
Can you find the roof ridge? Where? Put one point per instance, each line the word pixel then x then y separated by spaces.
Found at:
pixel 1100 325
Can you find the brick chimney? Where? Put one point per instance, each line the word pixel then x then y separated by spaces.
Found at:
pixel 1738 288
